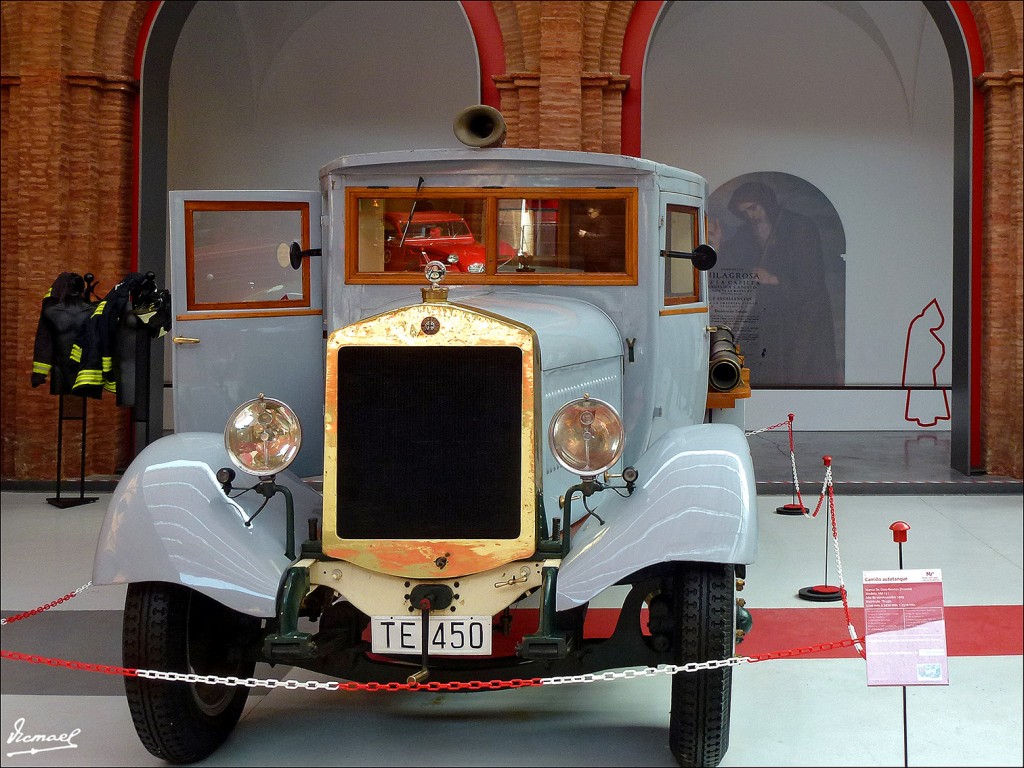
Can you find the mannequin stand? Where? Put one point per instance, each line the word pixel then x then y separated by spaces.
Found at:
pixel 57 501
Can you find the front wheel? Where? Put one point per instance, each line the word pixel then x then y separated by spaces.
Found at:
pixel 703 604
pixel 172 628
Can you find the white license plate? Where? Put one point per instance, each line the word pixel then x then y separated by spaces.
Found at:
pixel 448 635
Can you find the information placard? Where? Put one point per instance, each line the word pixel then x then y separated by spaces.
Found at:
pixel 905 628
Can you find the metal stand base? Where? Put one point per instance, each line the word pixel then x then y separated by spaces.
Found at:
pixel 791 509
pixel 822 593
pixel 65 503
pixel 57 500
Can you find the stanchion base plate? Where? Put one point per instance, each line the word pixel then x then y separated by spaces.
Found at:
pixel 65 503
pixel 791 509
pixel 821 593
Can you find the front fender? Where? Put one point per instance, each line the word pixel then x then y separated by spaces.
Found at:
pixel 169 520
pixel 695 500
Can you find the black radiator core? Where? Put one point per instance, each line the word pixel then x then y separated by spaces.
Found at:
pixel 429 442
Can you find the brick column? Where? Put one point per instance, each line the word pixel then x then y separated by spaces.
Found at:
pixel 67 138
pixel 1001 424
pixel 35 236
pixel 547 98
pixel 561 43
pixel 602 111
pixel 520 106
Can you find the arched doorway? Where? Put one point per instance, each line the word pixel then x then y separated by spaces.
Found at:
pixel 262 95
pixel 952 23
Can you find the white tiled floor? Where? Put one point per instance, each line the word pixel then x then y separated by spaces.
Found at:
pixel 807 711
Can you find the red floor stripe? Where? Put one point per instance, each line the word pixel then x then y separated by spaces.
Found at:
pixel 971 630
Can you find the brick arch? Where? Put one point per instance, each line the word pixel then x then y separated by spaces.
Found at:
pixel 604 27
pixel 81 19
pixel 117 35
pixel 999 27
pixel 520 31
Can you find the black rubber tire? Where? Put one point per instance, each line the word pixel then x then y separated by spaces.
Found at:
pixel 172 628
pixel 704 606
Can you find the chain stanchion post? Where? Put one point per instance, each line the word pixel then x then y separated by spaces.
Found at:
pixel 899 536
pixel 825 592
pixel 796 507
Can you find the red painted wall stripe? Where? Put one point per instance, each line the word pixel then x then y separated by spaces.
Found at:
pixel 634 56
pixel 489 46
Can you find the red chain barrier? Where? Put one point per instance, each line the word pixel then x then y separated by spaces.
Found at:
pixel 472 685
pixel 46 607
pixel 106 669
pixel 857 642
pixel 808 649
pixel 372 687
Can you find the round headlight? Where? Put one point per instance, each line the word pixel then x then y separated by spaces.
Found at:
pixel 263 436
pixel 586 436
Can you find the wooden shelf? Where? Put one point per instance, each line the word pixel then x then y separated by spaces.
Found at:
pixel 728 399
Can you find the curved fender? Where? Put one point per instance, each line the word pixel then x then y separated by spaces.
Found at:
pixel 695 500
pixel 169 520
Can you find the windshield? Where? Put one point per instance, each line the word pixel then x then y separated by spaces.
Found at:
pixel 536 235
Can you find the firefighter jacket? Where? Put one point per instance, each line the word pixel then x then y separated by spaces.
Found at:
pixel 94 348
pixel 64 311
pixel 149 318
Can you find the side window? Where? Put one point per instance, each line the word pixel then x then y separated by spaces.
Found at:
pixel 681 233
pixel 231 255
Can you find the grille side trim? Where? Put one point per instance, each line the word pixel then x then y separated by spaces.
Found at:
pixel 457 327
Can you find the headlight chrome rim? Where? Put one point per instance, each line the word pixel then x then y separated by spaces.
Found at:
pixel 263 436
pixel 586 436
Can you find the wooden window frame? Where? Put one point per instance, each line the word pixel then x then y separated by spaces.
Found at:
pixel 191 206
pixel 670 301
pixel 490 197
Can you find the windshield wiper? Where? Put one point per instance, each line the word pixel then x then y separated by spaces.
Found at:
pixel 412 210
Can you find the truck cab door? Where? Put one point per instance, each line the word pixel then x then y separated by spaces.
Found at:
pixel 681 381
pixel 245 321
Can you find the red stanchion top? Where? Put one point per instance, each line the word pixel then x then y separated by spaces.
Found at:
pixel 899 531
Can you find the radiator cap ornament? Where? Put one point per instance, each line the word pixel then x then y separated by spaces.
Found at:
pixel 435 272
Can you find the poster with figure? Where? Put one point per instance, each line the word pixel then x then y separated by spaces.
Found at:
pixel 780 282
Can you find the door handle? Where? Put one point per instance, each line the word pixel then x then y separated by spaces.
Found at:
pixel 184 340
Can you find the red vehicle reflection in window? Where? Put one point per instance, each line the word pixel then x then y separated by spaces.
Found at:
pixel 434 235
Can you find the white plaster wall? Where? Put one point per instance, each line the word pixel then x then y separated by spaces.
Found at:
pixel 263 94
pixel 856 98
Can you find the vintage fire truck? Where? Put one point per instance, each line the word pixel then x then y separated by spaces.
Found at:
pixel 427 474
